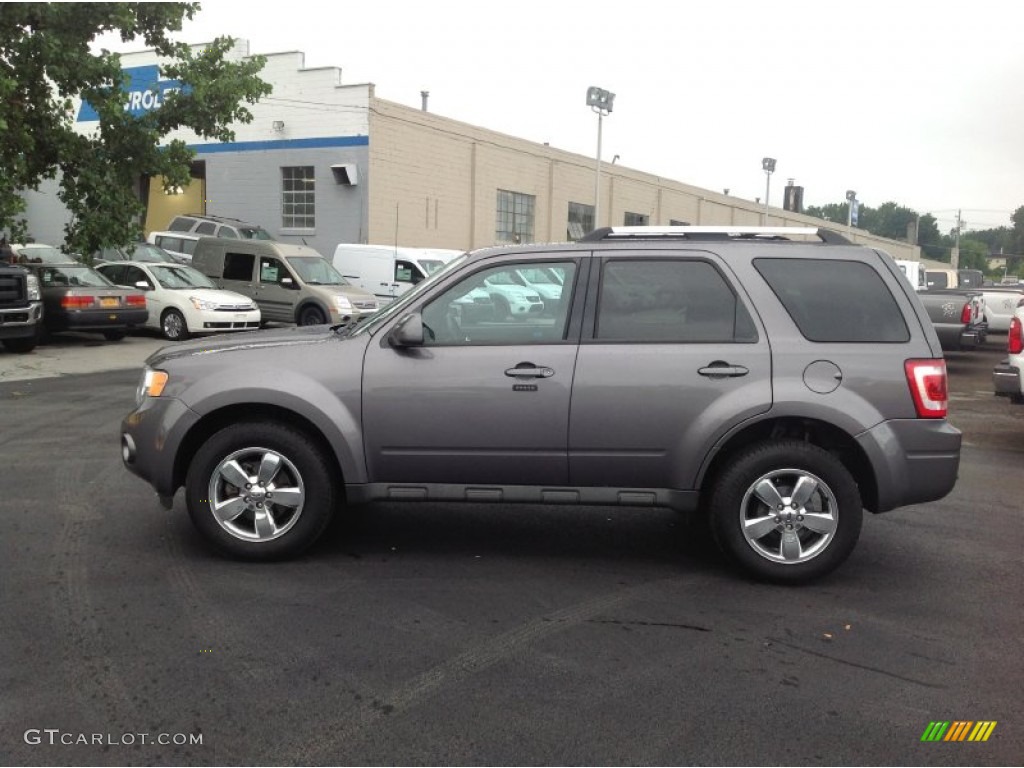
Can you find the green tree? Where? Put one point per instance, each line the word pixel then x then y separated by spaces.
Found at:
pixel 46 62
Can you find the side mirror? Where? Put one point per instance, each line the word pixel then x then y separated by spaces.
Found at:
pixel 144 285
pixel 287 282
pixel 408 332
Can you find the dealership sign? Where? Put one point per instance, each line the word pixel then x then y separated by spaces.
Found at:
pixel 146 92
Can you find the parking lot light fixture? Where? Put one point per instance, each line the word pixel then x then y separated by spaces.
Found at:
pixel 601 102
pixel 768 166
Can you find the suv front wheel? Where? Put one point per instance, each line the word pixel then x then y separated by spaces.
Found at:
pixel 786 511
pixel 260 490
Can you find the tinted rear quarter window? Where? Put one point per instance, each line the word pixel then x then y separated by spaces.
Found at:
pixel 835 301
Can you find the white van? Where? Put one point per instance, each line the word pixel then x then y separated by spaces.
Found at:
pixel 388 271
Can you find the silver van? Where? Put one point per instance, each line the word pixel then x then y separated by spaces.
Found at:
pixel 289 283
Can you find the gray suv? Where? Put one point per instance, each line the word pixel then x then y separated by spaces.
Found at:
pixel 777 380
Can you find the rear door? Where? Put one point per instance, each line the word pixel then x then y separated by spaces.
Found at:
pixel 671 357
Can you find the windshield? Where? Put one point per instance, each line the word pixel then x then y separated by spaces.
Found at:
pixel 430 266
pixel 386 312
pixel 316 270
pixel 150 253
pixel 43 254
pixel 72 277
pixel 181 277
pixel 254 233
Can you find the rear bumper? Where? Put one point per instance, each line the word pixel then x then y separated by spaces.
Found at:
pixel 96 320
pixel 1007 381
pixel 915 460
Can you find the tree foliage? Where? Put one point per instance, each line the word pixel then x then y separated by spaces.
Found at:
pixel 46 65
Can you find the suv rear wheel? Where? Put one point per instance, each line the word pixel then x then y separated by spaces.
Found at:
pixel 786 511
pixel 260 490
pixel 311 316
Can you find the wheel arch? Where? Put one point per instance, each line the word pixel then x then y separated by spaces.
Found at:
pixel 305 304
pixel 813 431
pixel 216 420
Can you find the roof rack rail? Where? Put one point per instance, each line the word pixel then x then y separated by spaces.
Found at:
pixel 828 236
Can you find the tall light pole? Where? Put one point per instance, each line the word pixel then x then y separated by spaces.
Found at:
pixel 851 201
pixel 768 165
pixel 601 102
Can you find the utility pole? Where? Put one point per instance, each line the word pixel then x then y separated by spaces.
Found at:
pixel 954 258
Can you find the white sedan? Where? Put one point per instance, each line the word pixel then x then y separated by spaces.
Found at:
pixel 182 301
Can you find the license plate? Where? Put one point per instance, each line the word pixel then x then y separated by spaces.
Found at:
pixel 108 302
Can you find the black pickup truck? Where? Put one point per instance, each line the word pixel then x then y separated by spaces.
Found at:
pixel 21 309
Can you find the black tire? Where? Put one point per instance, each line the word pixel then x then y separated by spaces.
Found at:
pixel 302 469
pixel 173 325
pixel 311 315
pixel 115 335
pixel 811 549
pixel 502 310
pixel 21 346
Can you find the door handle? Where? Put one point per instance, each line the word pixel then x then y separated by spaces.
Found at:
pixel 530 371
pixel 719 369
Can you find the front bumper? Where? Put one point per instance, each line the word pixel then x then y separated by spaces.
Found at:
pixel 215 321
pixel 150 437
pixel 21 323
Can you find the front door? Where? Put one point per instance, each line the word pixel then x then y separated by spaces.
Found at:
pixel 276 290
pixel 485 400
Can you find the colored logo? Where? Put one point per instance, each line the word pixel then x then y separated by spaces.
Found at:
pixel 959 730
pixel 146 92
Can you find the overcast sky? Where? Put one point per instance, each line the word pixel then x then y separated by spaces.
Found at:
pixel 914 102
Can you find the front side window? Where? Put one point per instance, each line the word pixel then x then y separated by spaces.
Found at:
pixel 835 301
pixel 669 300
pixel 298 197
pixel 134 276
pixel 406 272
pixel 493 306
pixel 514 221
pixel 272 270
pixel 581 220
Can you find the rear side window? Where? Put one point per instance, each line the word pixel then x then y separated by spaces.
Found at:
pixel 206 228
pixel 181 224
pixel 238 266
pixel 835 301
pixel 669 300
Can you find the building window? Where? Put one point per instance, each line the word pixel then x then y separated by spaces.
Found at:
pixel 581 220
pixel 515 217
pixel 298 197
pixel 678 223
pixel 635 219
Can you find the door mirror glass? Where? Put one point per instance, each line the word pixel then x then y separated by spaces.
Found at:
pixel 143 285
pixel 408 332
pixel 287 282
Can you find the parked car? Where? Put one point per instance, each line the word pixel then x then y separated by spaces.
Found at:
pixel 146 252
pixel 218 226
pixel 78 298
pixel 1008 375
pixel 181 301
pixel 180 245
pixel 388 271
pixel 21 308
pixel 775 384
pixel 290 283
pixel 40 253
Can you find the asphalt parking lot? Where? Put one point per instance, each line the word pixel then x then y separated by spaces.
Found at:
pixel 485 635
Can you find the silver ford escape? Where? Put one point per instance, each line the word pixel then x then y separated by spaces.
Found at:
pixel 777 380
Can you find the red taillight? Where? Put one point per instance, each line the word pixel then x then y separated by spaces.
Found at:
pixel 965 313
pixel 927 380
pixel 1015 338
pixel 77 302
pixel 136 300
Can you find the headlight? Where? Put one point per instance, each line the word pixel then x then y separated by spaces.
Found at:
pixel 151 384
pixel 33 288
pixel 342 303
pixel 202 303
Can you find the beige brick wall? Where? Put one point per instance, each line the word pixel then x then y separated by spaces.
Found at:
pixel 433 182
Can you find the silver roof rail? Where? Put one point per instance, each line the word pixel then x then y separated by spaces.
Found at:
pixel 714 233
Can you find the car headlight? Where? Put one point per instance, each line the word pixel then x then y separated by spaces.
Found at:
pixel 33 288
pixel 342 303
pixel 202 303
pixel 151 384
